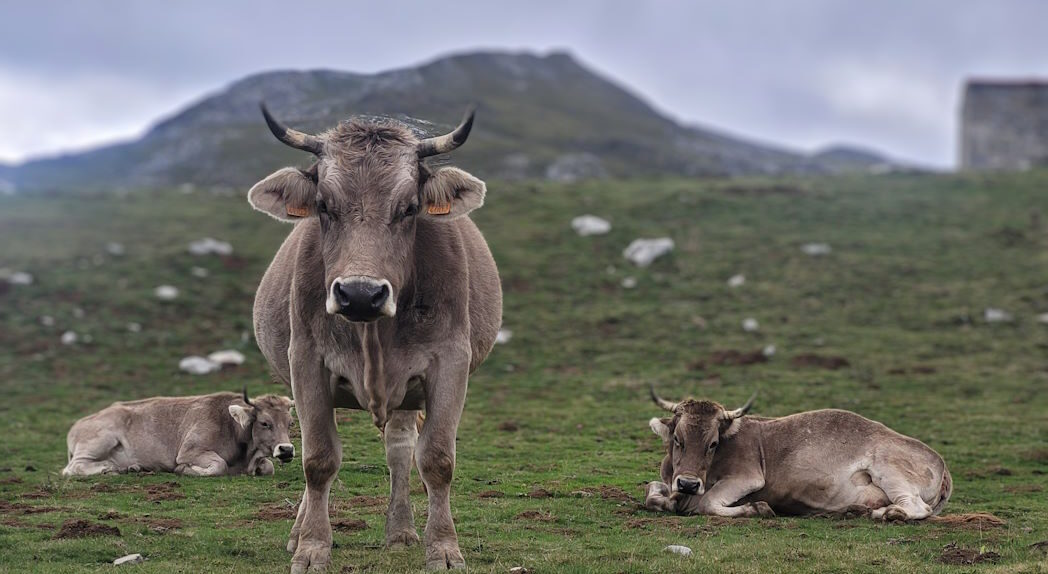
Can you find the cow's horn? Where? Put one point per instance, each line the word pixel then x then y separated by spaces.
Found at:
pixel 663 403
pixel 448 142
pixel 731 415
pixel 293 138
pixel 247 400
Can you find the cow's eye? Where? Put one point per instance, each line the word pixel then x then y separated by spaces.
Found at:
pixel 411 210
pixel 713 446
pixel 266 425
pixel 322 207
pixel 677 443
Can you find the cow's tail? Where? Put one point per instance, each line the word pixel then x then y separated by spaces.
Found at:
pixel 945 490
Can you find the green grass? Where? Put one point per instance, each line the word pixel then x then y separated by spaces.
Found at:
pixel 916 260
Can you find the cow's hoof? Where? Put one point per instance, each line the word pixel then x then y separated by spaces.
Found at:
pixel 134 468
pixel 401 539
pixel 292 543
pixel 444 557
pixel 763 510
pixel 311 558
pixel 895 514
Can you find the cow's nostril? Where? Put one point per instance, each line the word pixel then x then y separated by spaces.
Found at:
pixel 342 294
pixel 687 485
pixel 378 299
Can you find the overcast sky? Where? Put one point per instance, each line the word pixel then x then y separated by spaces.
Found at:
pixel 804 73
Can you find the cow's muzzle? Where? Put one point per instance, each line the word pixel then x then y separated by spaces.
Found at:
pixel 284 452
pixel 361 299
pixel 689 485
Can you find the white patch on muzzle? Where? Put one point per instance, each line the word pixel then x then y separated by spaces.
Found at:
pixel 389 308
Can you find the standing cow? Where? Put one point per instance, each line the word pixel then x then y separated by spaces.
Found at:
pixel 724 463
pixel 383 297
pixel 207 435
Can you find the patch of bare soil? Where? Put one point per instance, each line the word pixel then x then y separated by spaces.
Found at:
pixel 508 426
pixel 363 501
pixel 348 524
pixel 539 493
pixel 22 508
pixel 732 357
pixel 170 490
pixel 970 521
pixel 995 470
pixel 957 555
pixel 16 523
pixel 77 528
pixel 536 515
pixel 11 480
pixel 914 370
pixel 277 511
pixel 110 515
pixel 36 494
pixel 830 362
pixel 160 525
pixel 615 493
pixel 1023 488
pixel 490 494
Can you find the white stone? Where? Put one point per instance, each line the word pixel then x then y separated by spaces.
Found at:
pixel 69 338
pixel 518 570
pixel 643 251
pixel 993 315
pixel 227 357
pixel 590 225
pixel 737 281
pixel 1043 318
pixel 200 272
pixel 114 248
pixel 678 549
pixel 198 365
pixel 768 351
pixel 129 559
pixel 47 321
pixel 816 249
pixel 503 336
pixel 134 327
pixel 166 292
pixel 209 246
pixel 78 312
pixel 629 282
pixel 750 325
pixel 20 278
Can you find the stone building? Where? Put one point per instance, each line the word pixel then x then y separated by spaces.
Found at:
pixel 1004 125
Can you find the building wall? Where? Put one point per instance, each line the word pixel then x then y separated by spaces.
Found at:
pixel 1004 125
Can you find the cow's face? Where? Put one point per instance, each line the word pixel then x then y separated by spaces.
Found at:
pixel 366 193
pixel 692 436
pixel 268 420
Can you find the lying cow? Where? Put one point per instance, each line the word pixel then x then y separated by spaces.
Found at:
pixel 208 435
pixel 721 462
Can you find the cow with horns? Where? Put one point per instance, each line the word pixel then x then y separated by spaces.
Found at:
pixel 384 297
pixel 722 462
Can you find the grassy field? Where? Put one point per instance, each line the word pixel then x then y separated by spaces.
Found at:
pixel 554 442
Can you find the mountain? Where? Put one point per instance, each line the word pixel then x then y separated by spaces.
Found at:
pixel 845 159
pixel 544 116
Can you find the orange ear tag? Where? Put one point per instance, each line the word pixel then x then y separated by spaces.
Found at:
pixel 297 211
pixel 442 209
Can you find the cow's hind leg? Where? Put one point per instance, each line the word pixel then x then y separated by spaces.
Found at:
pixel 94 456
pixel 445 397
pixel 903 488
pixel 206 463
pixel 400 438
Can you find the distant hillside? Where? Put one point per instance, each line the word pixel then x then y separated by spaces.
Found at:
pixel 539 116
pixel 842 159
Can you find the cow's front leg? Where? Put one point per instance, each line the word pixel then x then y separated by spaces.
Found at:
pixel 206 463
pixel 658 497
pixel 435 454
pixel 321 458
pixel 719 499
pixel 400 438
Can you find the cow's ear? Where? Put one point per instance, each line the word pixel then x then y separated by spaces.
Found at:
pixel 661 428
pixel 241 415
pixel 289 194
pixel 449 193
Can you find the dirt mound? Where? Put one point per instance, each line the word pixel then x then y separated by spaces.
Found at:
pixel 508 426
pixel 348 524
pixel 615 493
pixel 77 528
pixel 170 490
pixel 490 494
pixel 536 515
pixel 957 555
pixel 830 362
pixel 731 357
pixel 970 521
pixel 539 493
pixel 277 511
pixel 362 501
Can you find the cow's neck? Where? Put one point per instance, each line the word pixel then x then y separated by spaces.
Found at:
pixel 374 373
